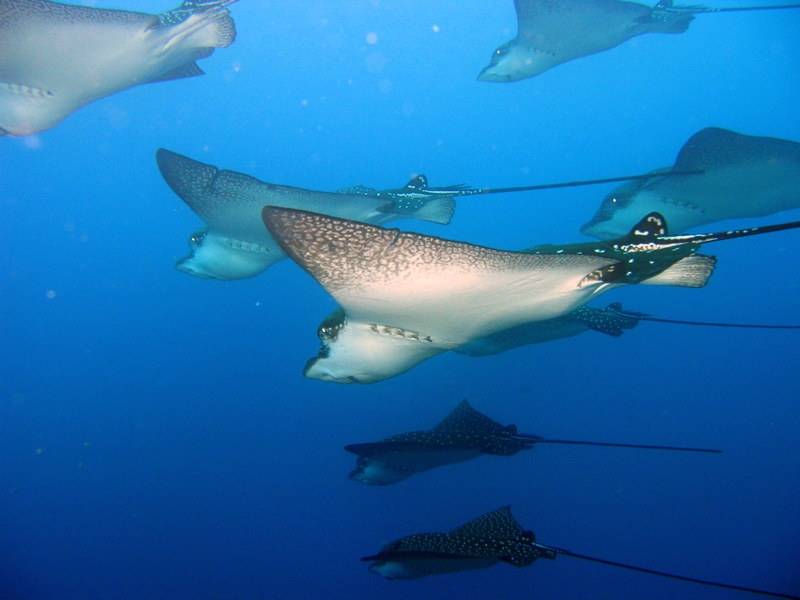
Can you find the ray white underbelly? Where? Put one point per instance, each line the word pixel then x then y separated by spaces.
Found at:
pixel 455 309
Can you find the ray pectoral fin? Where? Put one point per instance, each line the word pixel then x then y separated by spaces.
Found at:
pixel 609 320
pixel 327 247
pixel 692 271
pixel 196 183
pixel 438 210
pixel 191 69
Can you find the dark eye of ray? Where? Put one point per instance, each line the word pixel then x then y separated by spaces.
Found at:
pixel 329 329
pixel 197 239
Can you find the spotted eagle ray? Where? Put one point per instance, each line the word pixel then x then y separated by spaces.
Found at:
pixel 234 244
pixel 552 32
pixel 740 176
pixel 494 537
pixel 612 320
pixel 405 297
pixel 463 435
pixel 56 58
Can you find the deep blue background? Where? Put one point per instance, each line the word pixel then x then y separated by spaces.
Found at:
pixel 157 439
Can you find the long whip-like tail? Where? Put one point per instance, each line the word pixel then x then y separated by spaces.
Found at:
pixel 669 575
pixel 540 440
pixel 615 308
pixel 644 317
pixel 464 190
pixel 565 184
pixel 667 241
pixel 710 9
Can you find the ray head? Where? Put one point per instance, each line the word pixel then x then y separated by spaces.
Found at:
pixel 373 471
pixel 357 352
pixel 513 61
pixel 620 209
pixel 212 256
pixel 485 541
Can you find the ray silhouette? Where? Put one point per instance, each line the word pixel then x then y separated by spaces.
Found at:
pixel 493 538
pixel 56 58
pixel 463 435
pixel 552 32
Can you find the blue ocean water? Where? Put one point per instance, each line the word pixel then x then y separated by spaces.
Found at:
pixel 157 438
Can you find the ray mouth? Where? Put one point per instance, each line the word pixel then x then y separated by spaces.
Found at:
pixel 322 376
pixel 377 567
pixel 361 477
pixel 310 365
pixel 609 207
pixel 183 265
pixel 493 78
